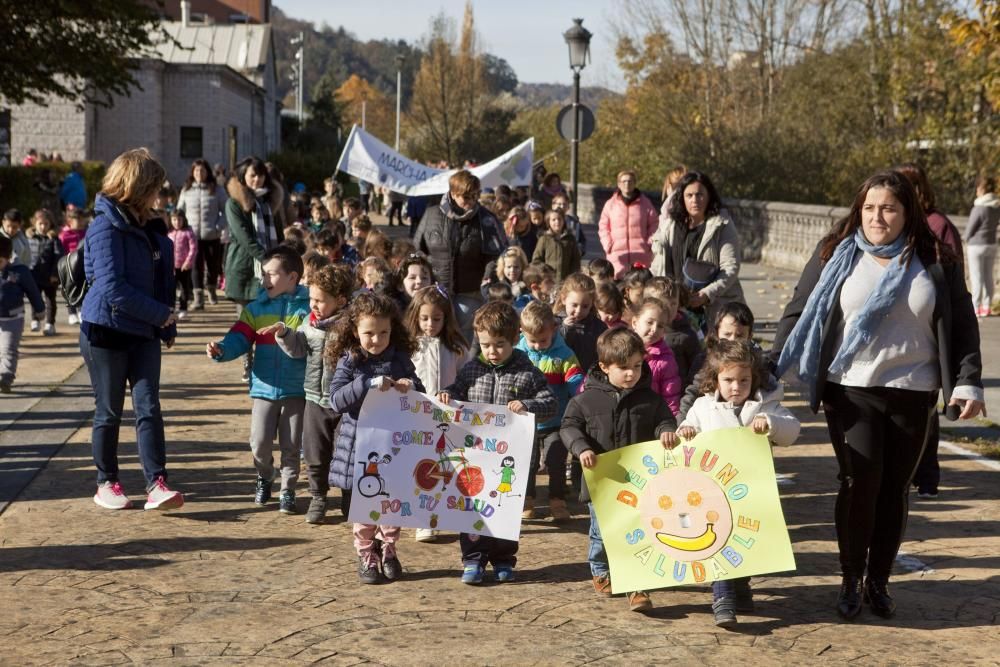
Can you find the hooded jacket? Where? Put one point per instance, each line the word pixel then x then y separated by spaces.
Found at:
pixel 666 378
pixel 720 245
pixel 710 413
pixel 131 275
pixel 459 245
pixel 561 370
pixel 350 384
pixel 45 253
pixel 625 230
pixel 15 284
pixel 981 229
pixel 242 283
pixel 605 417
pixel 275 375
pixel 308 342
pixel 561 252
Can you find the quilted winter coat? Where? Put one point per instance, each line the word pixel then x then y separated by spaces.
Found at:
pixel 130 272
pixel 625 230
pixel 348 389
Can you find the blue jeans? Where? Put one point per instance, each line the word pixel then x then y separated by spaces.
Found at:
pixel 727 588
pixel 110 370
pixel 597 556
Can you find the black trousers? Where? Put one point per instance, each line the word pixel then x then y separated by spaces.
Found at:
pixel 484 549
pixel 48 291
pixel 318 427
pixel 555 464
pixel 183 279
pixel 878 436
pixel 928 475
pixel 208 264
pixel 396 210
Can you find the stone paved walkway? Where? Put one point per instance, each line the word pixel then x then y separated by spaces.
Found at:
pixel 223 582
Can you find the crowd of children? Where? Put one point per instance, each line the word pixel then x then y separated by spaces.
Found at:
pixel 344 310
pixel 600 364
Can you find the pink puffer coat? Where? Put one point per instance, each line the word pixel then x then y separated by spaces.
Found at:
pixel 625 230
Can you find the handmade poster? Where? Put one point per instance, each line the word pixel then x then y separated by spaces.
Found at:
pixel 423 464
pixel 706 510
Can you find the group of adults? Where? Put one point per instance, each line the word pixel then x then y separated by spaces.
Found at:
pixel 881 321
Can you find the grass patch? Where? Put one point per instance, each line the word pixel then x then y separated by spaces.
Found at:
pixel 988 446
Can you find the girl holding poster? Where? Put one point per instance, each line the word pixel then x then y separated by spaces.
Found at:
pixel 732 396
pixel 441 349
pixel 372 350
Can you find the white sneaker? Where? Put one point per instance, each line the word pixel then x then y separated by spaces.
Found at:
pixel 162 498
pixel 111 496
pixel 182 315
pixel 49 330
pixel 73 319
pixel 35 325
pixel 426 535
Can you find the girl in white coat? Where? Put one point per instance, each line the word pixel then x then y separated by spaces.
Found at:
pixel 731 382
pixel 441 348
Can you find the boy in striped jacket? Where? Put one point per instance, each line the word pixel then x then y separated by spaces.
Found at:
pixel 549 353
pixel 276 384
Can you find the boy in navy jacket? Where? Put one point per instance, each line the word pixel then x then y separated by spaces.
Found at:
pixel 15 283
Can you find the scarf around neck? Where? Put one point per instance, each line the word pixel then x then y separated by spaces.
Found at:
pixel 804 344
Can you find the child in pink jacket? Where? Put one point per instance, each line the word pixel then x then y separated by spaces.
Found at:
pixel 650 323
pixel 185 252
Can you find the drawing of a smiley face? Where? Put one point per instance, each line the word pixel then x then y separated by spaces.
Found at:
pixel 686 514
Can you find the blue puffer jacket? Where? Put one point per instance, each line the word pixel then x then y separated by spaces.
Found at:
pixel 347 392
pixel 275 375
pixel 130 272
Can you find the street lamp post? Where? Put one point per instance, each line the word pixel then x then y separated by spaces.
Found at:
pixel 300 40
pixel 399 93
pixel 578 40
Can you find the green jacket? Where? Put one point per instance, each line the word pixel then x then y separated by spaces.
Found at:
pixel 242 283
pixel 561 252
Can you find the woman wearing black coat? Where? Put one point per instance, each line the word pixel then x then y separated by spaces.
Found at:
pixel 880 321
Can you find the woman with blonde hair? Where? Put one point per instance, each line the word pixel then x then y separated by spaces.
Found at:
pixel 126 314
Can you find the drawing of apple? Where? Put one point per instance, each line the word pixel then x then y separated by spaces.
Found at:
pixel 470 481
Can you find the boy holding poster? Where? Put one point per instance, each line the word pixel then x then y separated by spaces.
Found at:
pixel 618 407
pixel 499 375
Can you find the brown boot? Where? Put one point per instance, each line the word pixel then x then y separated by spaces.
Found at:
pixel 529 508
pixel 557 506
pixel 639 601
pixel 602 584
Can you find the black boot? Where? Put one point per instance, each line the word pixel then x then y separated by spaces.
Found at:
pixel 849 602
pixel 878 598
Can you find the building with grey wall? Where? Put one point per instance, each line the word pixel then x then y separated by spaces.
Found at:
pixel 212 94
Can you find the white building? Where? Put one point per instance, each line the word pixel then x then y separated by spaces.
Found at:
pixel 213 95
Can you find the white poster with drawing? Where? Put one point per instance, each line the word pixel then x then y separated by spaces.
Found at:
pixel 423 464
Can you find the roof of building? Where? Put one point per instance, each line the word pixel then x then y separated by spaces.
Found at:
pixel 242 47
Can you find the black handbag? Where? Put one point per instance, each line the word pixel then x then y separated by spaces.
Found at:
pixel 698 274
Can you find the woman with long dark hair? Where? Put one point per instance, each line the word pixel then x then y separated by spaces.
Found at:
pixel 880 321
pixel 254 220
pixel 202 200
pixel 699 246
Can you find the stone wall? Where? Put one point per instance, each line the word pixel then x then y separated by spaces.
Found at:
pixel 778 234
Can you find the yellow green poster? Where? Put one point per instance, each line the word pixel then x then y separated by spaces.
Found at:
pixel 706 510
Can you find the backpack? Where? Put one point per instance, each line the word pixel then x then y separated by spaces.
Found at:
pixel 72 278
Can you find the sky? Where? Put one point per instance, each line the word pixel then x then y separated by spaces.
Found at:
pixel 525 33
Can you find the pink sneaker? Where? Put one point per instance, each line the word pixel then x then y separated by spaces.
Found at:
pixel 162 498
pixel 111 496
